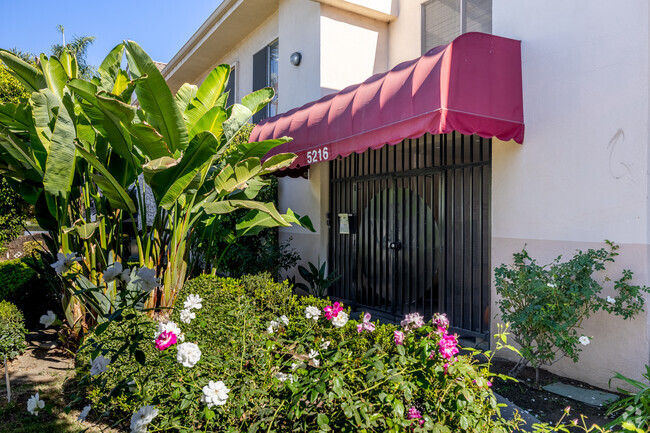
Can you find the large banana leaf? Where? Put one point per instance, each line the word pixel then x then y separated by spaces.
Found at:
pixel 184 96
pixel 237 177
pixel 156 99
pixel 227 206
pixel 60 165
pixel 69 63
pixel 258 99
pixel 21 154
pixel 208 95
pixel 111 188
pixel 211 121
pixel 55 75
pixel 254 150
pixel 109 70
pixel 44 104
pixel 28 75
pixel 255 221
pixel 16 117
pixel 169 184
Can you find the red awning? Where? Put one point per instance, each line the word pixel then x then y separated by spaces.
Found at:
pixel 472 85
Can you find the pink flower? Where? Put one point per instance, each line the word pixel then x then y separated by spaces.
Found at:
pixel 445 367
pixel 331 311
pixel 413 413
pixel 366 325
pixel 489 383
pixel 165 339
pixel 440 320
pixel 412 321
pixel 448 345
pixel 399 338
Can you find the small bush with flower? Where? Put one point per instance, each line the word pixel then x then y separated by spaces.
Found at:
pixel 246 355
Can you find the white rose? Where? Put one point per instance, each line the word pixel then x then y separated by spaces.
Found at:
pixel 187 315
pixel 48 319
pixel 285 320
pixel 193 302
pixel 584 340
pixel 171 327
pixel 312 312
pixel 34 404
pixel 340 320
pixel 611 300
pixel 215 393
pixel 99 365
pixel 188 354
pixel 142 418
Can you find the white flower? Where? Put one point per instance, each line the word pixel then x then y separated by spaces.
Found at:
pixel 273 327
pixel 48 319
pixel 312 312
pixel 84 413
pixel 584 340
pixel 34 404
pixel 325 345
pixel 412 321
pixel 316 362
pixel 313 354
pixel 193 302
pixel 116 272
pixel 340 320
pixel 99 365
pixel 611 300
pixel 147 279
pixel 65 262
pixel 171 327
pixel 141 419
pixel 215 393
pixel 282 377
pixel 187 315
pixel 285 320
pixel 296 365
pixel 188 354
pixel 551 285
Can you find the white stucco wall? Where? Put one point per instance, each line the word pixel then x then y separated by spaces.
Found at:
pixel 405 35
pixel 581 175
pixel 242 54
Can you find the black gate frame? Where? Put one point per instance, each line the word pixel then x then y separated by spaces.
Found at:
pixel 450 175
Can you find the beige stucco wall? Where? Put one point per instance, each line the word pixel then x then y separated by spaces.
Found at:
pixel 581 175
pixel 405 35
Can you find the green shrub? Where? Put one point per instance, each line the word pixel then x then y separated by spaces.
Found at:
pixel 363 381
pixel 22 286
pixel 12 331
pixel 546 305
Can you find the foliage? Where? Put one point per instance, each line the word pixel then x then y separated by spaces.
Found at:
pixel 22 286
pixel 12 331
pixel 581 424
pixel 318 281
pixel 13 213
pixel 360 381
pixel 239 255
pixel 10 88
pixel 172 146
pixel 636 406
pixel 547 304
pixel 78 48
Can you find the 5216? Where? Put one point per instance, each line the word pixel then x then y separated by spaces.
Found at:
pixel 317 155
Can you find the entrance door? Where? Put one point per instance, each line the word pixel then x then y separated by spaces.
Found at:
pixel 409 229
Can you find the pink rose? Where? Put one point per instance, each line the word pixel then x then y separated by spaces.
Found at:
pixel 399 338
pixel 448 345
pixel 366 325
pixel 331 311
pixel 165 339
pixel 413 413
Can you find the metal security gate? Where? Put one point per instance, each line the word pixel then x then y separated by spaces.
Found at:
pixel 410 229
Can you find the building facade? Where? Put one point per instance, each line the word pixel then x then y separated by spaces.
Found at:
pixel 580 176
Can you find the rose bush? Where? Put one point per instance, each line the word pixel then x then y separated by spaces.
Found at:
pixel 318 370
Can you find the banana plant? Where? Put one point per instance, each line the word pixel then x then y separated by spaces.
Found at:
pixel 90 159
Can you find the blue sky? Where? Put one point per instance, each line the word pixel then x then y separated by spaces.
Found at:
pixel 161 27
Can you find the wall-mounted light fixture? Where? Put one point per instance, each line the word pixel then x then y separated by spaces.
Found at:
pixel 295 58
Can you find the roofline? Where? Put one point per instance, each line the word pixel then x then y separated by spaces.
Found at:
pixel 200 35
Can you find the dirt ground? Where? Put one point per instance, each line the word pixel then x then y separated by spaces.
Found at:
pixel 544 405
pixel 44 368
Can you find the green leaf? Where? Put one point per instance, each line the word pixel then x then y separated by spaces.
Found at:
pixel 60 165
pixel 85 231
pixel 259 99
pixel 21 154
pixel 45 105
pixel 149 141
pixel 239 117
pixel 99 330
pixel 28 75
pixel 184 96
pixel 255 150
pixel 208 95
pixel 69 63
pixel 227 206
pixel 323 422
pixel 109 70
pixel 398 409
pixel 170 184
pixel 117 196
pixel 17 117
pixel 54 74
pixel 237 177
pixel 211 121
pixel 140 357
pixel 160 164
pixel 156 99
pixel 278 162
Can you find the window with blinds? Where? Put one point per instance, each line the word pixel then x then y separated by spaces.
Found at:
pixel 444 20
pixel 265 74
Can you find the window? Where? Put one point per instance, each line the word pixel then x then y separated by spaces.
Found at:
pixel 444 20
pixel 231 85
pixel 265 74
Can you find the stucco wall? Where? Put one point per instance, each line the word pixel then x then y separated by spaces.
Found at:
pixel 581 175
pixel 405 33
pixel 242 54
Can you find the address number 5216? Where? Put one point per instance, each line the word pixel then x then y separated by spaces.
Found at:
pixel 317 155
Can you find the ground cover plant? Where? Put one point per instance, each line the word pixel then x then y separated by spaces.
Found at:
pixel 546 304
pixel 12 331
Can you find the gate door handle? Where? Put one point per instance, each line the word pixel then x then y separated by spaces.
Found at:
pixel 394 245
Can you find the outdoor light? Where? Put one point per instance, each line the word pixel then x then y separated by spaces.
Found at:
pixel 295 58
